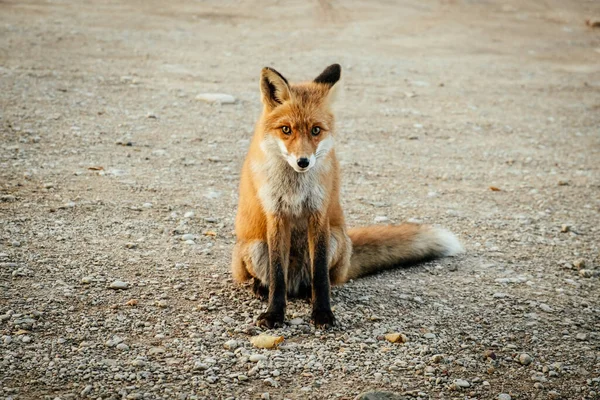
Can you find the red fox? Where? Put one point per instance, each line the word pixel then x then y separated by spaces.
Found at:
pixel 291 235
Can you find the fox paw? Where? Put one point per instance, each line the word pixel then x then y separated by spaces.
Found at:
pixel 323 318
pixel 270 319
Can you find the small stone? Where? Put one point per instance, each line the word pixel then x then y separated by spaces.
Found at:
pixel 188 236
pixel 586 273
pixel 242 377
pixel 429 335
pixel 220 98
pixel 131 245
pixel 437 358
pixel 500 295
pixel 156 350
pixel 211 379
pixel 538 386
pixel 546 308
pixel 381 218
pixel 188 214
pixel 379 396
pixel 579 264
pixel 553 394
pixel 271 381
pixel 525 359
pixel 489 354
pixel 581 336
pixel 119 285
pixel 461 383
pixel 86 390
pixel 296 321
pixel 265 396
pixel 504 396
pixel 86 280
pixel 257 357
pixel 198 365
pixel 565 228
pixel 122 347
pixel 231 344
pixel 162 304
pixel 138 363
pixel 25 339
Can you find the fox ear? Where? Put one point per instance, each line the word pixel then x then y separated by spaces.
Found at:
pixel 274 88
pixel 330 75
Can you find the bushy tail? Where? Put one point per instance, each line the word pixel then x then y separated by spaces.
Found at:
pixel 375 248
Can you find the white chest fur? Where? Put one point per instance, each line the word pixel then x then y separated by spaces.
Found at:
pixel 282 190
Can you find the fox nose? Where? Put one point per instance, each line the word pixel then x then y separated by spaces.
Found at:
pixel 303 162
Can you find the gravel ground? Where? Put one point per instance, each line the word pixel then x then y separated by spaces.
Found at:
pixel 118 190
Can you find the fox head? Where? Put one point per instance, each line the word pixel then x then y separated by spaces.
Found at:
pixel 297 118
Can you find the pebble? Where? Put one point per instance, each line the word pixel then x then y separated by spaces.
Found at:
pixel 462 383
pixel 138 363
pixel 242 377
pixel 265 396
pixel 546 308
pixel 579 264
pixel 553 394
pixel 296 321
pixel 199 365
pixel 581 336
pixel 231 344
pixel 437 358
pixel 429 335
pixel 119 285
pixel 271 381
pixel 122 347
pixel 86 280
pixel 26 339
pixel 220 98
pixel 188 236
pixel 86 390
pixel 500 295
pixel 525 359
pixel 586 273
pixel 504 396
pixel 257 357
pixel 156 350
pixel 379 396
pixel 381 218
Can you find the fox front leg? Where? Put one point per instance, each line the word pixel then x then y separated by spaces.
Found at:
pixel 318 241
pixel 278 237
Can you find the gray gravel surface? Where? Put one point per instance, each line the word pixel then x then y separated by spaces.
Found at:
pixel 118 188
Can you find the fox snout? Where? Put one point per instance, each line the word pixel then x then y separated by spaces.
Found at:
pixel 301 163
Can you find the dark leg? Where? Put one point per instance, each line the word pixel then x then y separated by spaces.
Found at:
pixel 278 232
pixel 305 292
pixel 318 248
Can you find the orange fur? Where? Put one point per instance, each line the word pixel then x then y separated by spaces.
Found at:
pixel 292 215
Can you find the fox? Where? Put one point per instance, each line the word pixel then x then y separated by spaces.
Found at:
pixel 291 238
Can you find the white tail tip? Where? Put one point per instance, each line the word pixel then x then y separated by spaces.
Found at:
pixel 448 241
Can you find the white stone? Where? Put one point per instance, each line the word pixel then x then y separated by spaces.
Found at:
pixel 220 98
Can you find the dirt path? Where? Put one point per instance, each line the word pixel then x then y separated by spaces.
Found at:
pixel 443 100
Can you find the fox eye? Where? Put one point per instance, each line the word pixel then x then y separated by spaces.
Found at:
pixel 315 131
pixel 286 129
